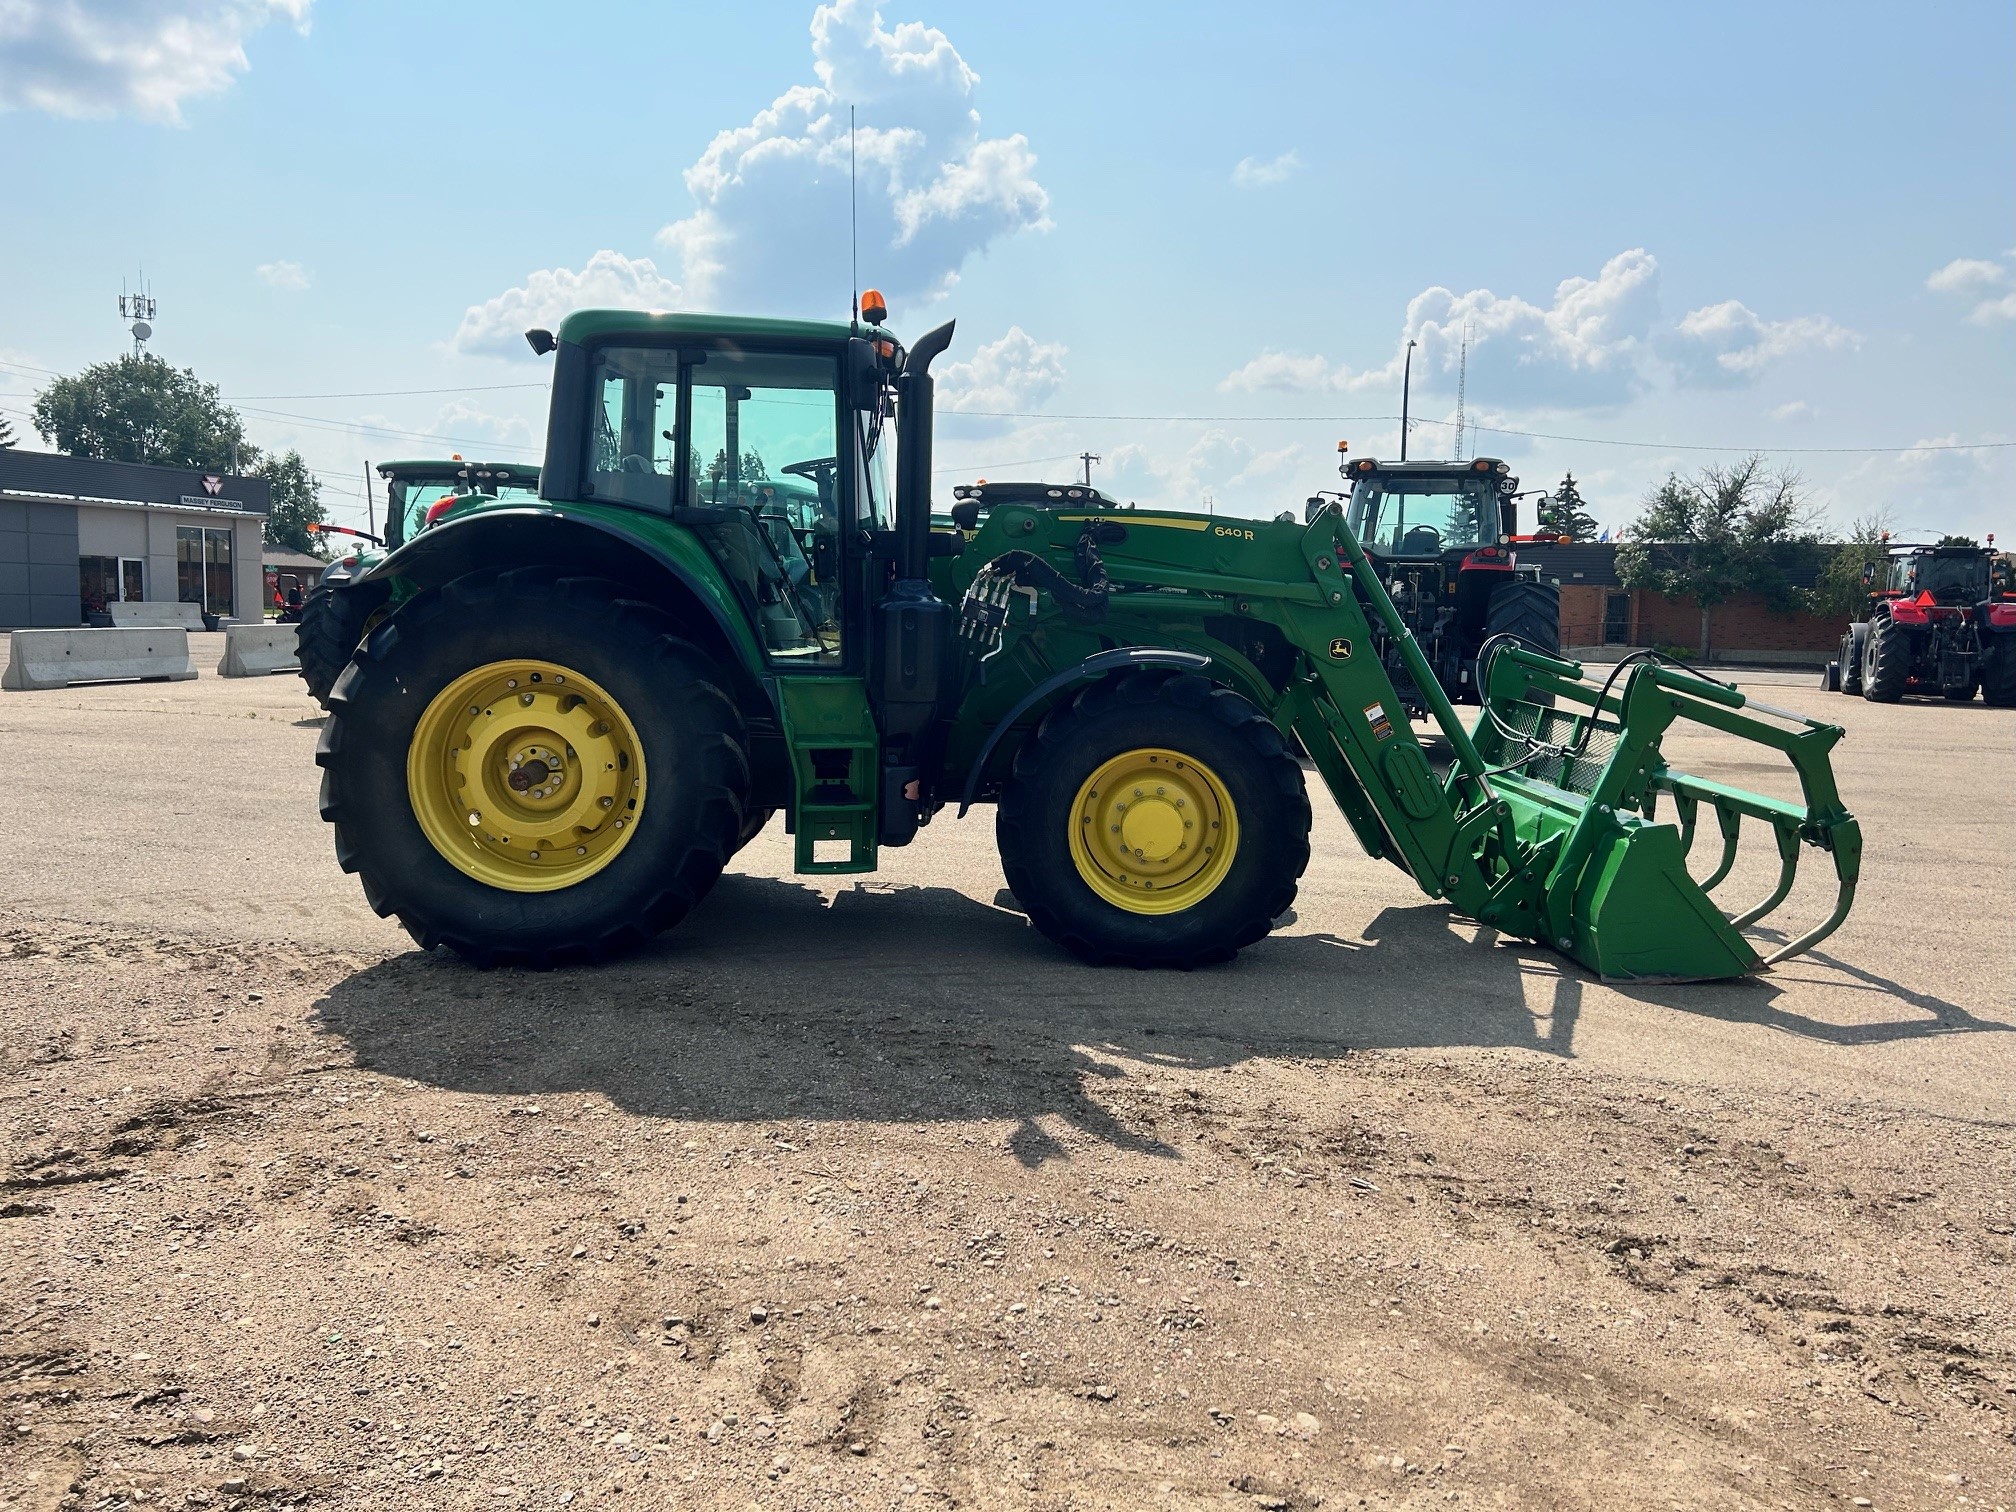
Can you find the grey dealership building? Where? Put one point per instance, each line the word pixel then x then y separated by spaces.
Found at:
pixel 76 534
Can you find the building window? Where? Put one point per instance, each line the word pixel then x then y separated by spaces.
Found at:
pixel 203 568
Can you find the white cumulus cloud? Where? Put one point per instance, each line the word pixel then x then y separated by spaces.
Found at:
pixel 1990 310
pixel 1258 173
pixel 1016 373
pixel 1966 275
pixel 769 227
pixel 609 281
pixel 1973 277
pixel 1729 343
pixel 283 274
pixel 1599 341
pixel 95 58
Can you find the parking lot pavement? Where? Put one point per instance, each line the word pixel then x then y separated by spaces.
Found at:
pixel 1386 1207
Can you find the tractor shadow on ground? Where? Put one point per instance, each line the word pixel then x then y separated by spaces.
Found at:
pixel 909 1004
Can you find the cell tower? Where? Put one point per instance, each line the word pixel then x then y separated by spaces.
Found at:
pixel 138 308
pixel 1462 383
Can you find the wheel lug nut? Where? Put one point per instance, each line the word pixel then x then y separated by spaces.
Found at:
pixel 474 817
pixel 525 698
pixel 608 803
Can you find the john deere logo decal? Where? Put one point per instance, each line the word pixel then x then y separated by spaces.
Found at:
pixel 1340 649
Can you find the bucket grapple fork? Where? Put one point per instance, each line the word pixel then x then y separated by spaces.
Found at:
pixel 1546 825
pixel 1551 730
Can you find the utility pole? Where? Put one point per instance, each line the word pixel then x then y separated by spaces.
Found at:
pixel 1406 387
pixel 1088 458
pixel 370 503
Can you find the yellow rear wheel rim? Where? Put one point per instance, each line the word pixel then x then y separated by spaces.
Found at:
pixel 526 775
pixel 1153 831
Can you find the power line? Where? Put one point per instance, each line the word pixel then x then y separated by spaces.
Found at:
pixel 1469 425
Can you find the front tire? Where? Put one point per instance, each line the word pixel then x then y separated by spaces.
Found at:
pixel 532 770
pixel 332 623
pixel 1853 648
pixel 1886 661
pixel 1155 820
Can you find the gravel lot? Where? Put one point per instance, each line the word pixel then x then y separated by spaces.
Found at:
pixel 859 1194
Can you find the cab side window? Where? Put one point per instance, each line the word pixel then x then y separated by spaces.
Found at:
pixel 630 451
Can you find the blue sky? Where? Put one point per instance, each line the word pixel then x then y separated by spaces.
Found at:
pixel 1713 227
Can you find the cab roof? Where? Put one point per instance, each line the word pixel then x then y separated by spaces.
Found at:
pixel 438 467
pixel 586 326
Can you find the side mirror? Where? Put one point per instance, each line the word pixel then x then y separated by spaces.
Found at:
pixel 1868 574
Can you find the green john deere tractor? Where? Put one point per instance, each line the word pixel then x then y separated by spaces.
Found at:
pixel 581 706
pixel 336 613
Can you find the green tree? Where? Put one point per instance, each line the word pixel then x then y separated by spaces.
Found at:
pixel 297 502
pixel 1563 512
pixel 6 432
pixel 139 409
pixel 1967 541
pixel 1840 592
pixel 1727 530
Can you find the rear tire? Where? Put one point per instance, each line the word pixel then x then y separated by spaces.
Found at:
pixel 1529 610
pixel 1221 742
pixel 332 623
pixel 691 759
pixel 1886 661
pixel 1998 671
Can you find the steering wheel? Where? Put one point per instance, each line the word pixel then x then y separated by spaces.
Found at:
pixel 812 467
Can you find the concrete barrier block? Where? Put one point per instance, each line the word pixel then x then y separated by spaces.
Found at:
pixel 58 658
pixel 145 616
pixel 255 650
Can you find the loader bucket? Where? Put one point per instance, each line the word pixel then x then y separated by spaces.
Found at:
pixel 1581 769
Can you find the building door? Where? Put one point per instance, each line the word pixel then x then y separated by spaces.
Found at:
pixel 97 583
pixel 132 580
pixel 1617 619
pixel 203 568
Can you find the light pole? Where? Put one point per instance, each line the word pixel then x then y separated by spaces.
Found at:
pixel 1406 386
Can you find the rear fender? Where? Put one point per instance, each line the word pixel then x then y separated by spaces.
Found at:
pixel 681 582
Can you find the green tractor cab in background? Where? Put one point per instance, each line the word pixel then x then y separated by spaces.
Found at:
pixel 418 495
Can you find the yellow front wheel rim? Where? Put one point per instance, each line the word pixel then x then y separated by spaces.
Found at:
pixel 1153 831
pixel 526 775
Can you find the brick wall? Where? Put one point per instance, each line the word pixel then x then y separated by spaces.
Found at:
pixel 1582 615
pixel 1742 623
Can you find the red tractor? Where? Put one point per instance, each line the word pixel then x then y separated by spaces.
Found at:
pixel 1941 619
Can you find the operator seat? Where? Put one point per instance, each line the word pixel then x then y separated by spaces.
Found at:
pixel 1420 540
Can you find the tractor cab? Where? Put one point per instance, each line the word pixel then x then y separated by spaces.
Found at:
pixel 1439 535
pixel 1954 576
pixel 417 494
pixel 1429 511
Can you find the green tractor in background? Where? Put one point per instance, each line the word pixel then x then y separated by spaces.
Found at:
pixel 580 706
pixel 335 614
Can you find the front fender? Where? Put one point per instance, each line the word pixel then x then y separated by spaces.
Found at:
pixel 1100 665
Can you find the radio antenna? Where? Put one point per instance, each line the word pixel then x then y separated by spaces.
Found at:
pixel 853 218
